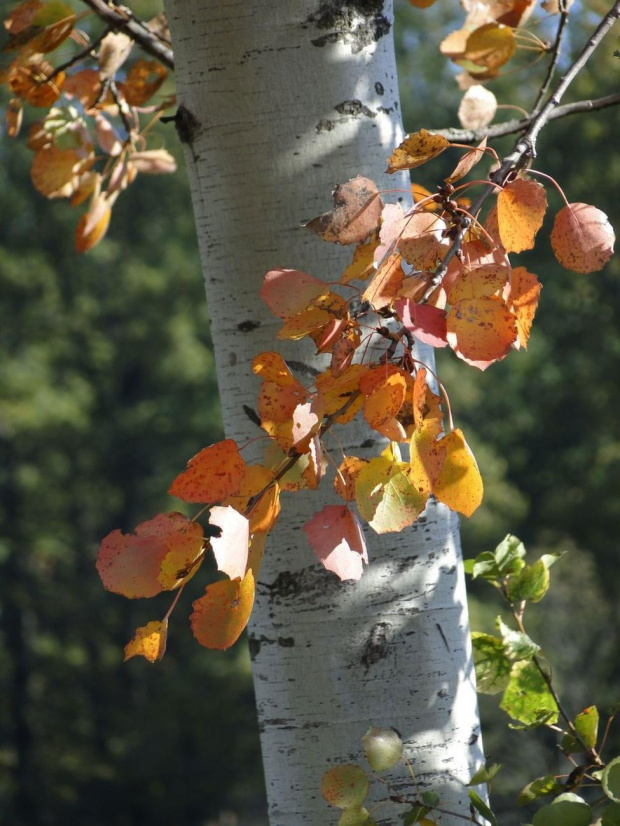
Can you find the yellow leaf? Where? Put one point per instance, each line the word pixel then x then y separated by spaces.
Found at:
pixel 490 45
pixel 459 485
pixel 416 150
pixel 521 209
pixel 149 642
pixel 221 615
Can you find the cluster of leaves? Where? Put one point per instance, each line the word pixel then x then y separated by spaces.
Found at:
pixel 513 663
pixel 90 144
pixel 434 273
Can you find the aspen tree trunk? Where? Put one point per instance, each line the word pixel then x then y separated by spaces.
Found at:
pixel 294 96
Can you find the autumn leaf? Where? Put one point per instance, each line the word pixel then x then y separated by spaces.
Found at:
pixel 356 213
pixel 143 79
pixel 230 548
pixel 385 283
pixel 426 323
pixel 344 481
pixel 336 537
pixel 288 292
pixel 481 330
pixel 53 171
pixel 416 150
pixel 477 108
pixel 212 474
pixel 469 159
pixel 31 84
pixel 490 46
pixel 524 293
pixel 521 207
pixel 93 225
pixel 459 485
pixel 582 238
pixel 362 264
pixel 222 613
pixel 84 85
pixel 385 494
pixel 271 367
pixel 422 243
pixel 149 642
pixel 153 162
pixel 265 510
pixel 385 401
pixel 337 392
pixel 162 553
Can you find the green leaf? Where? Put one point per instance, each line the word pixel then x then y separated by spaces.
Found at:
pixel 611 815
pixel 566 810
pixel 356 816
pixel 345 786
pixel 527 697
pixel 509 555
pixel 538 788
pixel 492 665
pixel 415 814
pixel 550 559
pixel 484 774
pixel 485 567
pixel 532 583
pixel 430 798
pixel 611 780
pixel 385 495
pixel 570 744
pixel 518 646
pixel 468 566
pixel 481 806
pixel 586 724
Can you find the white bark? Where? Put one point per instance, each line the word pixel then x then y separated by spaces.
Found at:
pixel 294 96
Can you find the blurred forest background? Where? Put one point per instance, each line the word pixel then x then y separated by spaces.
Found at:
pixel 107 386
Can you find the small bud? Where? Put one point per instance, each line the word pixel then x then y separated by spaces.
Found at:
pixel 383 746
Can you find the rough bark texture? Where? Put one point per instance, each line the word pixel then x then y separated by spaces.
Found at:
pixel 294 96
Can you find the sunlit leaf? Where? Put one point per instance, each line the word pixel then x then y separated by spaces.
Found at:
pixel 517 645
pixel 265 510
pixel 222 613
pixel 288 292
pixel 386 495
pixel 490 46
pixel 491 662
pixel 459 485
pixel 582 238
pixel 538 788
pixel 481 330
pixel 143 79
pixel 416 150
pixel 93 225
pixel 362 264
pixel 383 747
pixel 230 548
pixel 160 555
pixel 386 283
pixel 336 537
pixel 524 294
pixel 212 474
pixel 422 243
pixel 469 159
pixel 521 207
pixel 149 642
pixel 610 780
pixel 426 323
pixel 477 108
pixel 32 85
pixel 53 171
pixel 531 583
pixel 153 162
pixel 527 697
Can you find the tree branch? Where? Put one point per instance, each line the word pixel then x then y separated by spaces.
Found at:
pixel 555 56
pixel 120 18
pixel 511 127
pixel 526 145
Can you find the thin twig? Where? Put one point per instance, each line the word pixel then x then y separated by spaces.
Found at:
pixel 511 127
pixel 88 52
pixel 555 56
pixel 120 18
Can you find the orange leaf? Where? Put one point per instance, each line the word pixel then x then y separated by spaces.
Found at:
pixel 386 283
pixel 143 79
pixel 270 366
pixel 212 475
pixel 84 85
pixel 222 613
pixel 420 193
pixel 521 209
pixel 469 159
pixel 344 482
pixel 416 150
pixel 481 330
pixel 427 412
pixel 265 511
pixel 524 292
pixel 422 243
pixel 426 457
pixel 336 392
pixel 582 238
pixel 13 117
pixel 288 292
pixel 356 213
pixel 53 171
pixel 385 401
pixel 276 402
pixel 362 264
pixel 162 553
pixel 490 45
pixel 93 225
pixel 149 642
pixel 459 485
pixel 30 84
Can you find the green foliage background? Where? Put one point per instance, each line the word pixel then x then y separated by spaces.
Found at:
pixel 106 388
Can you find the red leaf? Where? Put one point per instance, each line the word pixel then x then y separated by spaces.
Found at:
pixel 336 538
pixel 428 324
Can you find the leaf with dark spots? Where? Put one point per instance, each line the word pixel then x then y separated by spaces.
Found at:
pixel 356 213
